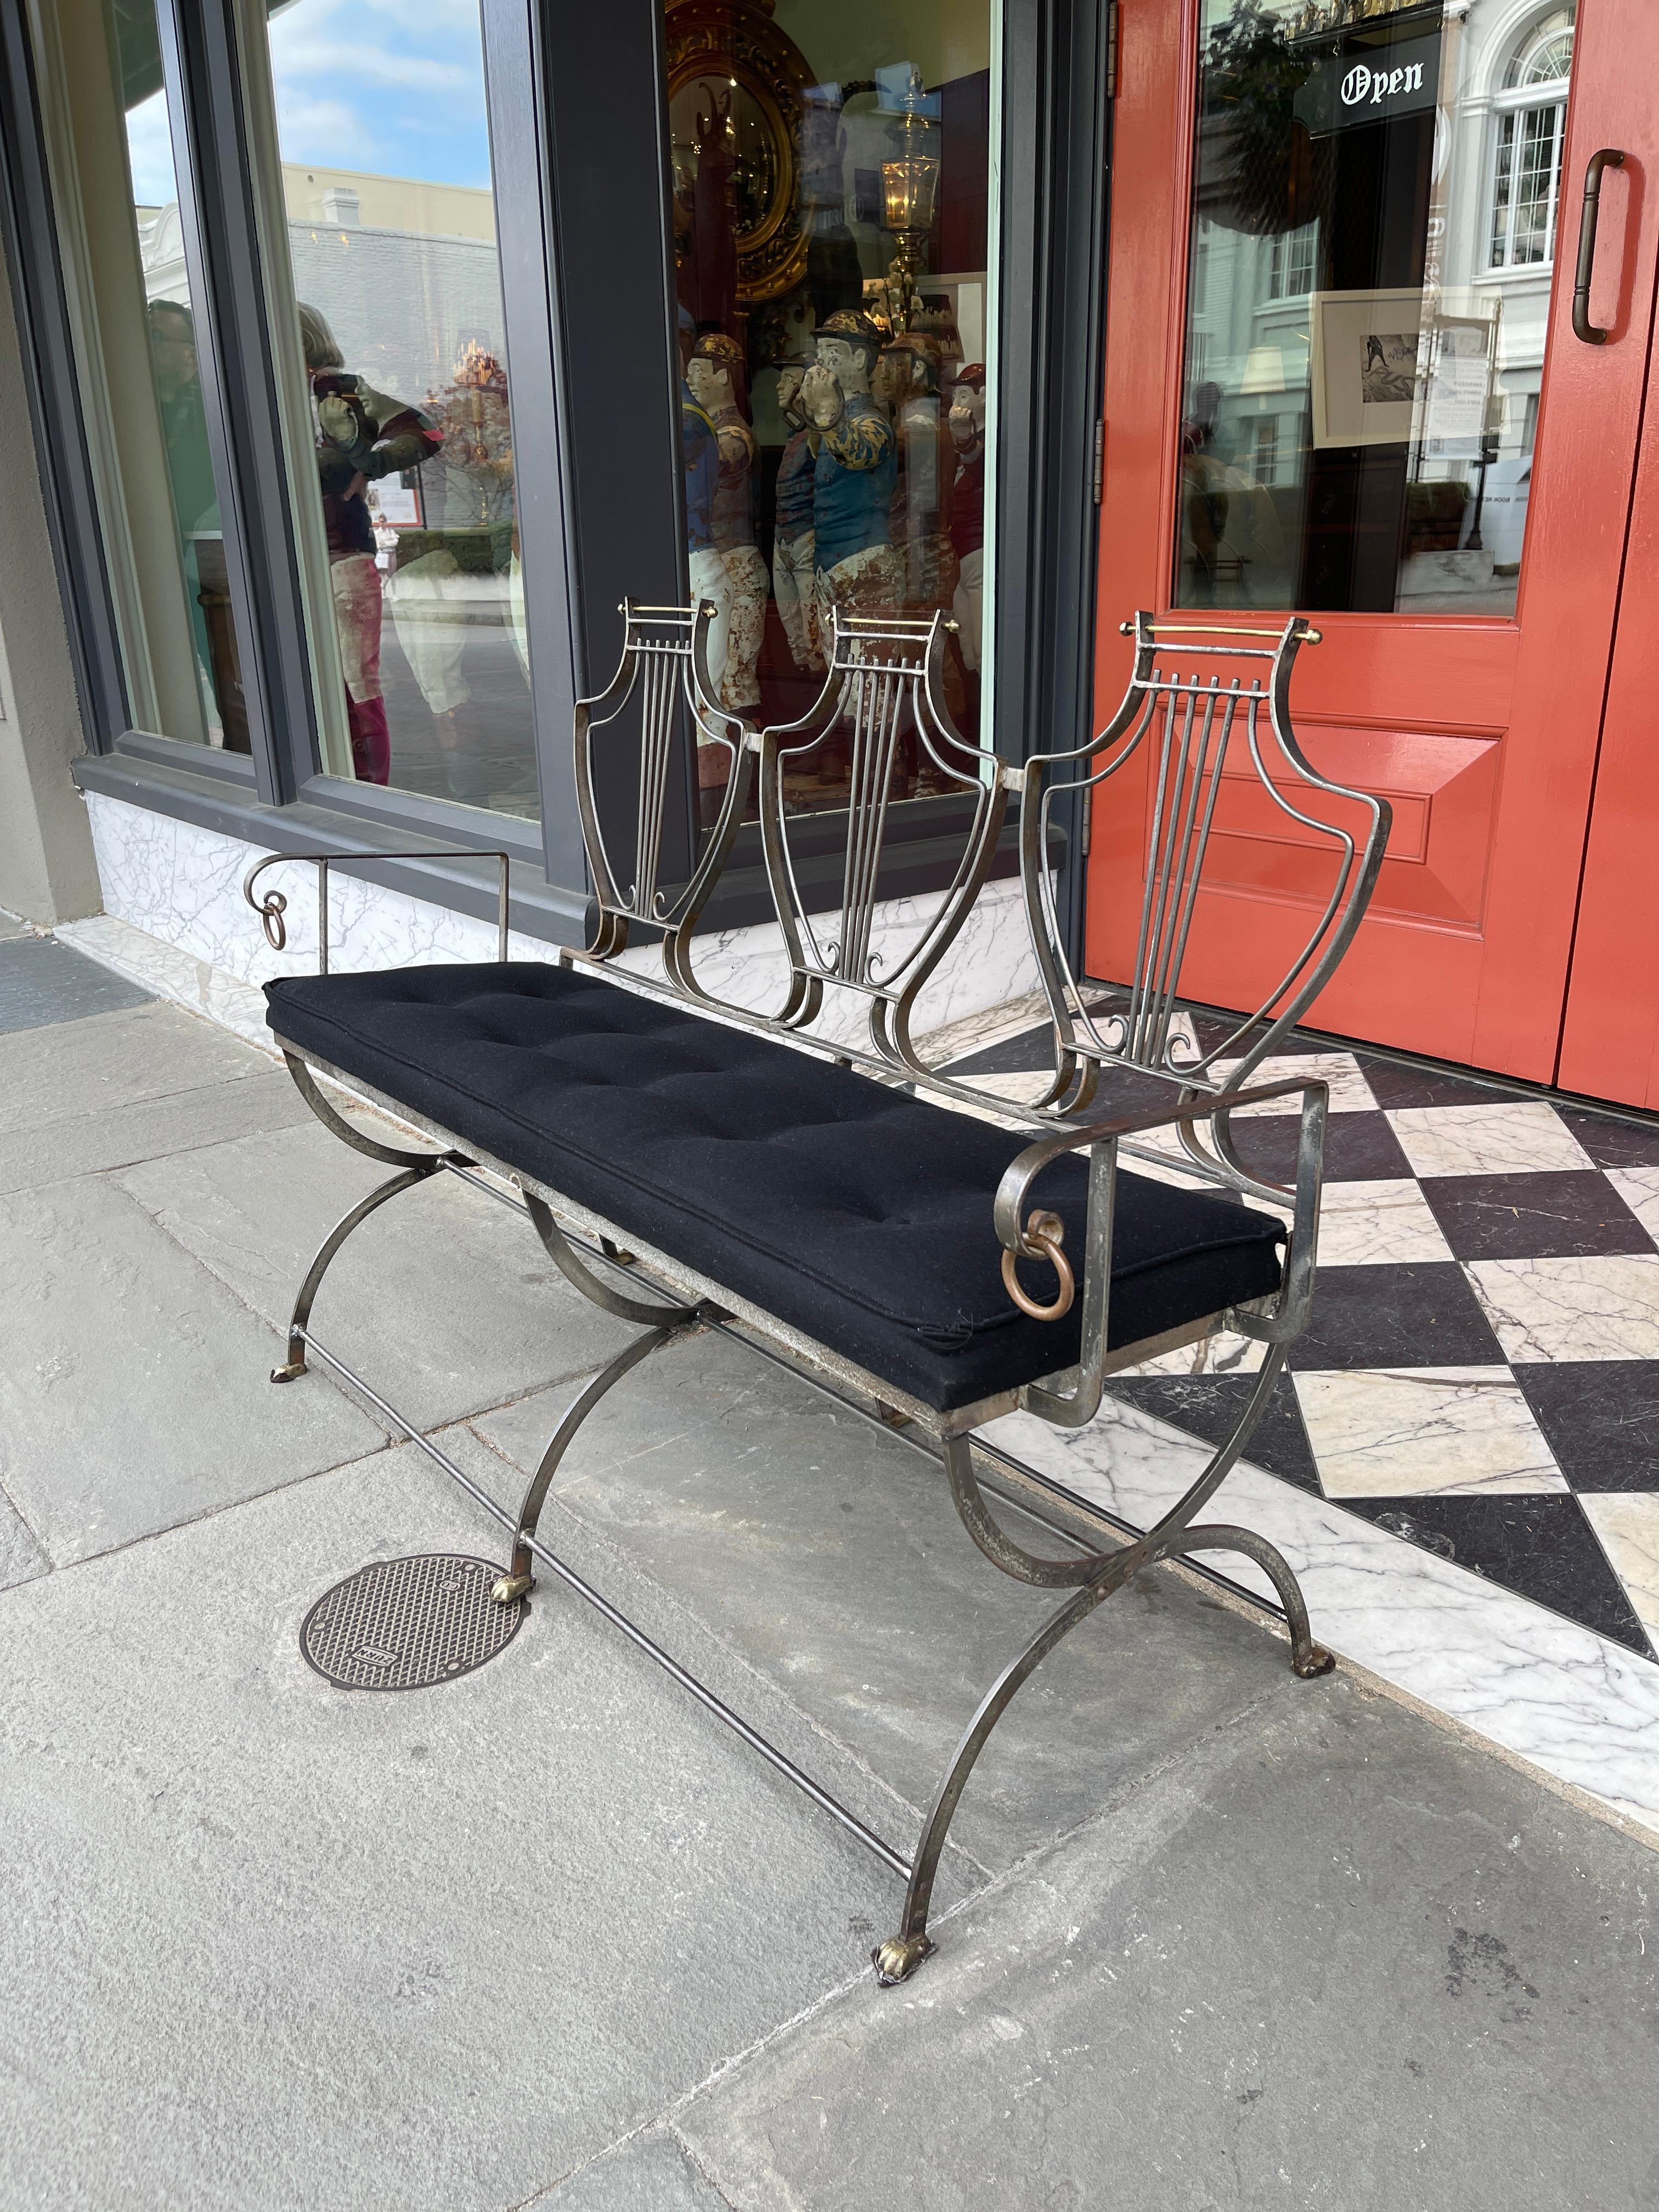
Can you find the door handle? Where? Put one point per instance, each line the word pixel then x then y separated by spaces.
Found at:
pixel 1609 157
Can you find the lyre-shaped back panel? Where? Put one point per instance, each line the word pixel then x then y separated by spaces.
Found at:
pixel 1203 697
pixel 660 700
pixel 882 698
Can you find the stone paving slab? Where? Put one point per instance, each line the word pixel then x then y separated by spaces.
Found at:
pixel 1337 1962
pixel 22 1556
pixel 79 1069
pixel 828 1554
pixel 133 1392
pixel 650 2173
pixel 444 1301
pixel 43 981
pixel 268 1944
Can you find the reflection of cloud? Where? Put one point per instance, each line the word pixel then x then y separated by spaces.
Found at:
pixel 149 151
pixel 392 86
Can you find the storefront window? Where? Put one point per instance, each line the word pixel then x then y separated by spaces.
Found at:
pixel 831 218
pixel 394 281
pixel 115 182
pixel 1374 232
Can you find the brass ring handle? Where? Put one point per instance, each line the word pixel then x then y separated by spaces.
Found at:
pixel 1039 1239
pixel 271 910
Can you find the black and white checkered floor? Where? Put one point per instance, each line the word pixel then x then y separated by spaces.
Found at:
pixel 1481 1375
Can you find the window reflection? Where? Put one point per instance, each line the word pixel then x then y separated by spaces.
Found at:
pixel 1377 190
pixel 396 291
pixel 829 219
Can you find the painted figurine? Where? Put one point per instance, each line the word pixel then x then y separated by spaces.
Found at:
pixel 716 375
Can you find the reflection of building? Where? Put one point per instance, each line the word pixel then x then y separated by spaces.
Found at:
pixel 1496 181
pixel 405 273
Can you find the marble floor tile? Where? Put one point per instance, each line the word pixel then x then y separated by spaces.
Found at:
pixel 1512 1136
pixel 1369 1224
pixel 1580 1704
pixel 1595 1309
pixel 1387 1316
pixel 1208 1407
pixel 1459 1428
pixel 1600 1418
pixel 1358 1148
pixel 1223 1353
pixel 1536 1545
pixel 1394 1083
pixel 1628 1525
pixel 1639 1189
pixel 1350 1091
pixel 1552 1213
pixel 1610 1139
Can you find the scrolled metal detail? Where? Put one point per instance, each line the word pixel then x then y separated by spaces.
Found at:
pixel 1041 1239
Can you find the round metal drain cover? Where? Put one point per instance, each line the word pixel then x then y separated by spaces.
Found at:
pixel 406 1624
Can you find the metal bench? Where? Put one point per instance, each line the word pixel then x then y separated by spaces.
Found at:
pixel 852 1211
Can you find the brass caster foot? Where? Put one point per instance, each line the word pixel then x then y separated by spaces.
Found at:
pixel 291 1373
pixel 509 1588
pixel 1318 1661
pixel 891 1415
pixel 897 1959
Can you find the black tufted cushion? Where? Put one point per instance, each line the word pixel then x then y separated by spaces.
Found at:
pixel 854 1212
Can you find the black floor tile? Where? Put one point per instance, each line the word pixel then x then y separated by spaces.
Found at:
pixel 43 981
pixel 1601 1419
pixel 1541 1548
pixel 1612 1143
pixel 1358 1147
pixel 1422 1316
pixel 1207 1406
pixel 1394 1086
pixel 1557 1214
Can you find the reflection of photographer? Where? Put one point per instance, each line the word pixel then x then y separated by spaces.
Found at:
pixel 362 435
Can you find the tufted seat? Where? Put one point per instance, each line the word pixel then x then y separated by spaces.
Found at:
pixel 852 1212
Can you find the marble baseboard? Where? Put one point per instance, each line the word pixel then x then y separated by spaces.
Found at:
pixel 171 973
pixel 1540 1687
pixel 181 886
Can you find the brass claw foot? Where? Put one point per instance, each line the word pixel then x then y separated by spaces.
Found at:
pixel 1318 1661
pixel 898 1957
pixel 290 1373
pixel 508 1587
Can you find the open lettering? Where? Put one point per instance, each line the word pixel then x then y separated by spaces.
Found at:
pixel 1363 83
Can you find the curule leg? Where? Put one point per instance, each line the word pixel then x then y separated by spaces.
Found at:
pixel 571 1265
pixel 901 1955
pixel 422 1170
pixel 519 1578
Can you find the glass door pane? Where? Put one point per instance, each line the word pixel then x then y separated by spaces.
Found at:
pixel 394 279
pixel 832 215
pixel 1373 238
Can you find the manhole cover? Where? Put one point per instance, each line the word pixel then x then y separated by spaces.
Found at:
pixel 405 1624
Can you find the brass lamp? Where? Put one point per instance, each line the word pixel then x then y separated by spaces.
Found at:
pixel 910 189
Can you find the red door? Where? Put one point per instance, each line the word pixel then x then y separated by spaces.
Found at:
pixel 1343 378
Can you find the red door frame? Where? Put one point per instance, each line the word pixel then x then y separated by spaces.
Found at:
pixel 1485 732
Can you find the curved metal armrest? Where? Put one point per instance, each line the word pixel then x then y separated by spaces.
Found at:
pixel 272 907
pixel 1022 1234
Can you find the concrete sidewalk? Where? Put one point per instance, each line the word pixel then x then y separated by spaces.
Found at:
pixel 1212 1937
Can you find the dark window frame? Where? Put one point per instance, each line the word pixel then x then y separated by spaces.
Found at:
pixel 599 514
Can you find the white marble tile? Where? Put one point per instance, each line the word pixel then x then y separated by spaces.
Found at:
pixel 1639 1189
pixel 1603 1307
pixel 183 884
pixel 1227 1353
pixel 1574 1704
pixel 1516 1136
pixel 1627 1521
pixel 1429 1431
pixel 171 974
pixel 1349 1092
pixel 1366 1225
pixel 974 1033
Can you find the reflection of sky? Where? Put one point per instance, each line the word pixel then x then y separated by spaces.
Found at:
pixel 395 87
